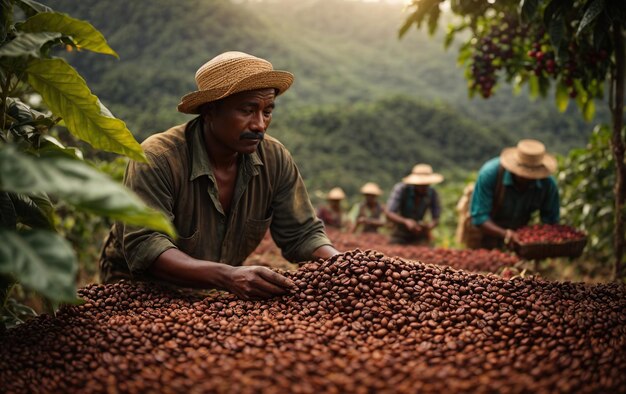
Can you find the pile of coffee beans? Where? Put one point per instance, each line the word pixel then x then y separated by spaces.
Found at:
pixel 548 233
pixel 476 260
pixel 360 322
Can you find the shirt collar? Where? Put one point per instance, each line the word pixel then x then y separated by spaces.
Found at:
pixel 507 180
pixel 200 164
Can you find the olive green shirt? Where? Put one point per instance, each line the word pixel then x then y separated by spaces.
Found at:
pixel 179 181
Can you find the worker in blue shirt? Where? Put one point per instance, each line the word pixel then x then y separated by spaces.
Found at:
pixel 510 188
pixel 409 203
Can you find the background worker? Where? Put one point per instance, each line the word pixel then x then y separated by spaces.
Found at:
pixel 410 201
pixel 510 188
pixel 332 213
pixel 370 213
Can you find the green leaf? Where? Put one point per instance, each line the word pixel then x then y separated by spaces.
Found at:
pixel 84 34
pixel 589 110
pixel 8 217
pixel 533 85
pixel 40 260
pixel 562 97
pixel 78 184
pixel 595 8
pixel 27 44
pixel 31 7
pixel 529 8
pixel 556 31
pixel 553 10
pixel 30 213
pixel 67 95
pixel 407 25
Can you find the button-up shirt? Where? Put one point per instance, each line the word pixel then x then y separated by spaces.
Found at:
pixel 179 181
pixel 517 206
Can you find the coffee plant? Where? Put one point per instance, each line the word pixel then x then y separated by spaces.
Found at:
pixel 569 47
pixel 38 173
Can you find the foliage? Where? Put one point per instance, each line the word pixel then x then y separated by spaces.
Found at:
pixel 381 141
pixel 341 52
pixel 563 47
pixel 36 169
pixel 586 179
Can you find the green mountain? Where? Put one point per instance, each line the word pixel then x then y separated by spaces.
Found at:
pixel 364 104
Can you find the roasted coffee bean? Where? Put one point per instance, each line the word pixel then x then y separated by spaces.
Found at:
pixel 381 324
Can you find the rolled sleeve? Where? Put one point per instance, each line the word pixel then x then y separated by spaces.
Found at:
pixel 142 246
pixel 295 228
pixel 482 197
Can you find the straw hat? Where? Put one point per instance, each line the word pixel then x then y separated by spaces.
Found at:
pixel 233 72
pixel 371 188
pixel 528 159
pixel 336 193
pixel 422 174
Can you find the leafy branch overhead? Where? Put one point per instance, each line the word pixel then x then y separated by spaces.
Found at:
pixel 533 43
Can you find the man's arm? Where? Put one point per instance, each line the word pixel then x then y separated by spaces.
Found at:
pixel 325 252
pixel 247 283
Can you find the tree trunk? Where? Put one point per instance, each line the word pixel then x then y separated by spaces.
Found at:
pixel 617 142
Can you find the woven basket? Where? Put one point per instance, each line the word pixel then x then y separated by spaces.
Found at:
pixel 539 251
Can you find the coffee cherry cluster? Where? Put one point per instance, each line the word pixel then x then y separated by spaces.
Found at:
pixel 548 233
pixel 360 322
pixel 507 45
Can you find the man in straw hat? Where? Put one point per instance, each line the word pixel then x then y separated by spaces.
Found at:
pixel 408 203
pixel 332 214
pixel 223 182
pixel 510 188
pixel 369 214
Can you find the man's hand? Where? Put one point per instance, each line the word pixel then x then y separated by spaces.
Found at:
pixel 255 282
pixel 415 227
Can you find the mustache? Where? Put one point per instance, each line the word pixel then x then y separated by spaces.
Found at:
pixel 250 135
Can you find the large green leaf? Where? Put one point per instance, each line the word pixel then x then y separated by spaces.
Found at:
pixel 40 260
pixel 80 185
pixel 25 44
pixel 84 34
pixel 67 95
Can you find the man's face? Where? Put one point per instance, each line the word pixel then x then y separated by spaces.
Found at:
pixel 239 122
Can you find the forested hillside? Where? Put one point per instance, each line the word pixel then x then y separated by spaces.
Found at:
pixel 339 118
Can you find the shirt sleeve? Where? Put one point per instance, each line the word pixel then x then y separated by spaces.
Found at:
pixel 482 197
pixel 152 183
pixel 295 227
pixel 435 205
pixel 550 211
pixel 393 202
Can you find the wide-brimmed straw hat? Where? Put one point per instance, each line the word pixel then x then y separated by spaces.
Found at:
pixel 233 72
pixel 528 159
pixel 336 193
pixel 371 188
pixel 422 174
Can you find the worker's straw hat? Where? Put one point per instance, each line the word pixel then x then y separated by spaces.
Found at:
pixel 422 174
pixel 336 193
pixel 233 72
pixel 371 188
pixel 528 159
